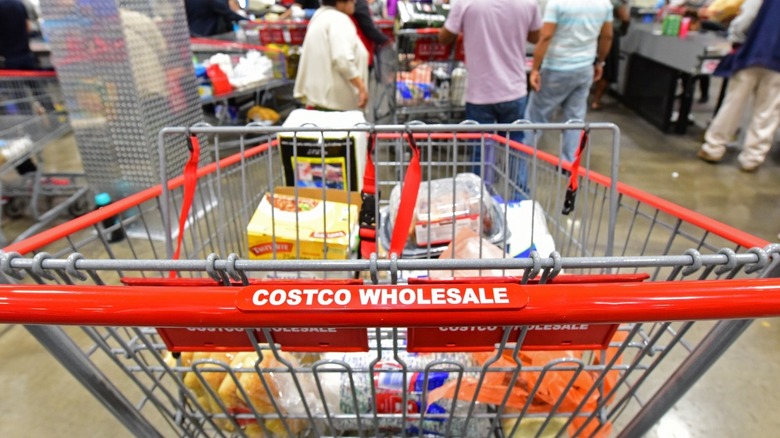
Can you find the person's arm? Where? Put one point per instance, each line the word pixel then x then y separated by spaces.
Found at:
pixel 623 14
pixel 605 45
pixel 739 27
pixel 533 36
pixel 366 23
pixel 343 59
pixel 362 91
pixel 221 8
pixel 449 32
pixel 446 37
pixel 545 36
pixel 535 27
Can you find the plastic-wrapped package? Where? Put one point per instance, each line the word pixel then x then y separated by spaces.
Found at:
pixel 444 206
pixel 387 379
pixel 212 369
pixel 469 245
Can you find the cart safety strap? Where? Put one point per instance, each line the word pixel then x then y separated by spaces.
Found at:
pixel 190 182
pixel 571 191
pixel 409 191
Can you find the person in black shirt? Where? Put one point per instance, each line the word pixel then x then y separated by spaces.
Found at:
pixel 15 53
pixel 204 16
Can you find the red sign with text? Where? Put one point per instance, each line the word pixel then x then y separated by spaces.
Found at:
pixel 453 297
pixel 538 337
pixel 291 339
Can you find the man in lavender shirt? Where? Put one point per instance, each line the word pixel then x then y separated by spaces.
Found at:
pixel 494 38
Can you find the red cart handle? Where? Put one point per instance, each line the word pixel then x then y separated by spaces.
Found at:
pixel 547 304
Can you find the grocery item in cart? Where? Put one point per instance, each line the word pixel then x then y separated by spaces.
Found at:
pixel 387 379
pixel 14 149
pixel 560 388
pixel 330 159
pixel 444 206
pixel 218 392
pixel 303 225
pixel 469 245
pixel 528 229
pixel 458 86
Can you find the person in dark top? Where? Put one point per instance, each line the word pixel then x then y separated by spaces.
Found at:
pixel 204 16
pixel 15 53
pixel 365 23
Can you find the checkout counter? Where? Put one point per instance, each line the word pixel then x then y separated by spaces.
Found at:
pixel 658 73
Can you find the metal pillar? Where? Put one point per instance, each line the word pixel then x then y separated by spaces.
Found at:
pixel 125 67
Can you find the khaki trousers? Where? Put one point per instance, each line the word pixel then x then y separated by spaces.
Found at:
pixel 763 86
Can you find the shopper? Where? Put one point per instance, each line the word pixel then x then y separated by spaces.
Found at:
pixel 494 41
pixel 575 39
pixel 205 16
pixel 622 13
pixel 15 54
pixel 369 34
pixel 333 69
pixel 754 70
pixel 372 37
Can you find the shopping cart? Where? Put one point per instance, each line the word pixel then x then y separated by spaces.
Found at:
pixel 31 117
pixel 429 78
pixel 638 299
pixel 231 102
pixel 387 27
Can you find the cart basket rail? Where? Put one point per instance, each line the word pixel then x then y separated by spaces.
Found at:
pixel 528 305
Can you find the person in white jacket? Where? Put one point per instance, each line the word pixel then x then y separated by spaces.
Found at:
pixel 333 69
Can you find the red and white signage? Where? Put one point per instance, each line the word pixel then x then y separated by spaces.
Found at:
pixel 538 337
pixel 291 339
pixel 418 297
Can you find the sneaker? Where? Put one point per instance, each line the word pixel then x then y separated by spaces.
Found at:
pixel 749 169
pixel 703 155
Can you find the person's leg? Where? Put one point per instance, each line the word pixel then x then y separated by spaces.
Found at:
pixel 704 88
pixel 726 122
pixel 575 107
pixel 542 104
pixel 516 173
pixel 598 92
pixel 764 123
pixel 482 114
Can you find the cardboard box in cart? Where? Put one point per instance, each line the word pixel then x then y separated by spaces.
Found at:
pixel 321 229
pixel 330 159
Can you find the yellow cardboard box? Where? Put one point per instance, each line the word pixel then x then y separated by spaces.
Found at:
pixel 307 232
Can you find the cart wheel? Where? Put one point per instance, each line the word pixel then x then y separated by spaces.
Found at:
pixel 80 207
pixel 15 207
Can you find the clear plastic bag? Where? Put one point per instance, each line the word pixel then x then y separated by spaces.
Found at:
pixel 444 206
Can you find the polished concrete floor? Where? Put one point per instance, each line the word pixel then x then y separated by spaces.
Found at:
pixel 738 397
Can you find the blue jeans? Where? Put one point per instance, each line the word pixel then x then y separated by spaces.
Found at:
pixel 569 91
pixel 504 112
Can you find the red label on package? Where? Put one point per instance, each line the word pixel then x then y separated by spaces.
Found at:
pixel 291 339
pixel 268 248
pixel 538 337
pixel 431 51
pixel 454 297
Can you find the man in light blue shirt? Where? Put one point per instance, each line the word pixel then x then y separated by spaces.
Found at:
pixel 575 39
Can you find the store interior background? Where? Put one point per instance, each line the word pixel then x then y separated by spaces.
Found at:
pixel 737 397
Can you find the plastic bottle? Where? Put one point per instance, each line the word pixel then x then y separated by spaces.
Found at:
pixel 685 25
pixel 240 33
pixel 116 234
